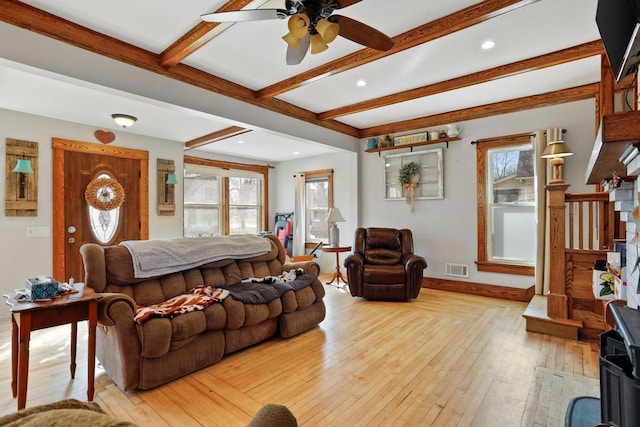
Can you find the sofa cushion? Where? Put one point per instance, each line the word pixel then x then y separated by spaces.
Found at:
pixel 388 274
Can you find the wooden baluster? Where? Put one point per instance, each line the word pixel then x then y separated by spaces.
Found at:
pixel 592 207
pixel 580 225
pixel 571 225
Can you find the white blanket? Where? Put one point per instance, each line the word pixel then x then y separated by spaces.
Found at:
pixel 158 257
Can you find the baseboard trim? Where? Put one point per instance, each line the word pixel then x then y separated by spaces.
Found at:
pixel 482 289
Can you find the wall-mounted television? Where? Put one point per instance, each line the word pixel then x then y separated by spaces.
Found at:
pixel 619 26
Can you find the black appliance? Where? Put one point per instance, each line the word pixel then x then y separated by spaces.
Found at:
pixel 619 26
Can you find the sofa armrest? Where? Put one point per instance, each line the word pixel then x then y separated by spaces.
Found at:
pixel 414 266
pixel 118 346
pixel 311 267
pixel 116 308
pixel 354 264
pixel 413 261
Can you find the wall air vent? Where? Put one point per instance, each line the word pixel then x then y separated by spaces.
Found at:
pixel 456 270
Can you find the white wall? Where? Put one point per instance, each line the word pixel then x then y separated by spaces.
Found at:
pixel 345 194
pixel 446 230
pixel 22 257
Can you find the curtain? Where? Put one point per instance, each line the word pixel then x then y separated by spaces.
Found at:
pixel 539 140
pixel 539 143
pixel 299 215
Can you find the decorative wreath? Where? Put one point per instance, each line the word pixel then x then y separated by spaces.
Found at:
pixel 104 194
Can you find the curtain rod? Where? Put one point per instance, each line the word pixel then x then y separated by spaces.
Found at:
pixel 512 138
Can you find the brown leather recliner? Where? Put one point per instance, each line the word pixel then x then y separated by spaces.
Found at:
pixel 383 265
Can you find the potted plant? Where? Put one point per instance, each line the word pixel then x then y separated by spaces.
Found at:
pixel 409 172
pixel 409 176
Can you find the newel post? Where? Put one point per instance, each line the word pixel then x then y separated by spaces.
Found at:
pixel 557 304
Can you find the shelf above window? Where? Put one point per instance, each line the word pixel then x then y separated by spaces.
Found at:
pixel 415 144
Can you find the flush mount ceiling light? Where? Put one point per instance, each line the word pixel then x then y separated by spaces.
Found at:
pixel 489 44
pixel 124 120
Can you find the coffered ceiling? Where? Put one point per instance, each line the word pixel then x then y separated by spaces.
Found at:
pixel 546 51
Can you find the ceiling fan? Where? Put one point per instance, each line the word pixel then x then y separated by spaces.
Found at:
pixel 312 26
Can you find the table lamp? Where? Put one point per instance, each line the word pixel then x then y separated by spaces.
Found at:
pixel 555 151
pixel 334 217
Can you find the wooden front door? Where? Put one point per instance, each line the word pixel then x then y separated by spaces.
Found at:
pixel 76 164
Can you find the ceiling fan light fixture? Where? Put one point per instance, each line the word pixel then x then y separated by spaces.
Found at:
pixel 328 30
pixel 299 25
pixel 124 120
pixel 291 40
pixel 317 44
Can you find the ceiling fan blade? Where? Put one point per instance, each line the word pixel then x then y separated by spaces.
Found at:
pixel 295 56
pixel 245 15
pixel 361 33
pixel 345 3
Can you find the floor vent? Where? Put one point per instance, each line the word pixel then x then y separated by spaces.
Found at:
pixel 457 270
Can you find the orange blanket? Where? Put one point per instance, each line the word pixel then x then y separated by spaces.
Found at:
pixel 196 299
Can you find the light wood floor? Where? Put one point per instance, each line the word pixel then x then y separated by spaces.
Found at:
pixel 445 359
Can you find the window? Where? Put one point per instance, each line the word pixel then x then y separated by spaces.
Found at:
pixel 507 225
pixel 244 205
pixel 224 198
pixel 431 182
pixel 201 204
pixel 104 224
pixel 318 200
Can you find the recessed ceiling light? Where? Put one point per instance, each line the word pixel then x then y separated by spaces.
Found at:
pixel 240 141
pixel 295 153
pixel 361 83
pixel 488 44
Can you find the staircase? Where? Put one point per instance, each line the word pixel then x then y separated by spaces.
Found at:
pixel 582 230
pixel 538 321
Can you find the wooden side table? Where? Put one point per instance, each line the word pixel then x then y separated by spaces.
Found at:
pixel 32 316
pixel 337 275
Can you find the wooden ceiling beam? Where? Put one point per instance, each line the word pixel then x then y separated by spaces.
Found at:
pixel 28 17
pixel 198 36
pixel 574 53
pixel 220 135
pixel 457 21
pixel 577 93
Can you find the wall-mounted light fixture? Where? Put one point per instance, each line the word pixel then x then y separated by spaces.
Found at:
pixel 21 185
pixel 23 167
pixel 171 179
pixel 124 120
pixel 166 176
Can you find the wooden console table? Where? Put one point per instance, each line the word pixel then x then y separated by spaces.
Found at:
pixel 32 316
pixel 337 275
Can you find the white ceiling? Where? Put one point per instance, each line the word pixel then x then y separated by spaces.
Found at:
pixel 252 55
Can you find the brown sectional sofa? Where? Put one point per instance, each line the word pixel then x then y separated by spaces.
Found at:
pixel 160 350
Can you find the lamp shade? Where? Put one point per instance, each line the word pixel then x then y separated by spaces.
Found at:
pixel 298 25
pixel 23 166
pixel 334 215
pixel 317 44
pixel 124 120
pixel 556 149
pixel 328 30
pixel 171 178
pixel 291 40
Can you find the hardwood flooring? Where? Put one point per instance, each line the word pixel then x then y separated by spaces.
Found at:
pixel 445 359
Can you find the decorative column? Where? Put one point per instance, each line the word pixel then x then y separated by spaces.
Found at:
pixel 557 303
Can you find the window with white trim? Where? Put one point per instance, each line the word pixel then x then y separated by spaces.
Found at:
pixel 221 201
